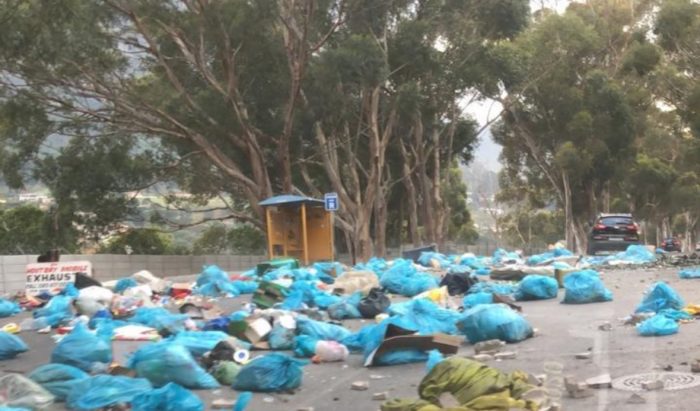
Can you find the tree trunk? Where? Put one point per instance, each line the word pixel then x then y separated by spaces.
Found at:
pixel 438 203
pixel 380 219
pixel 362 240
pixel 568 214
pixel 606 197
pixel 411 199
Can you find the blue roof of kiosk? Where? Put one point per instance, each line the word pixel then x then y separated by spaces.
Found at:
pixel 289 199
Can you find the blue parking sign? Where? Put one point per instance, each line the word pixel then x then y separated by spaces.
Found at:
pixel 331 201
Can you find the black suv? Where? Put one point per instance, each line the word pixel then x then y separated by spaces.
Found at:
pixel 613 232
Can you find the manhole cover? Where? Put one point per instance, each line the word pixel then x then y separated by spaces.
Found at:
pixel 672 381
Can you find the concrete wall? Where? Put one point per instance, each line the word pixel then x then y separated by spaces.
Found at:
pixel 111 266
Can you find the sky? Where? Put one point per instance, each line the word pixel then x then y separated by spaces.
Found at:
pixel 487 152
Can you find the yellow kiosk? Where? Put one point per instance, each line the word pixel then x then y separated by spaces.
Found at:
pixel 298 227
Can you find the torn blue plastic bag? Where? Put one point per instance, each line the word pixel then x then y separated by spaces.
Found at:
pixel 328 271
pixel 493 288
pixel 8 308
pixel 472 300
pixel 11 346
pixel 536 287
pixel 434 357
pixel 685 274
pixel 213 281
pixel 270 373
pixel 83 349
pixel 583 287
pixel 403 278
pixel 171 397
pixel 658 297
pixel 425 316
pixel 493 322
pixel 102 391
pixel 657 325
pixel 305 292
pixel 58 309
pixel 159 318
pixel 58 379
pixel 198 342
pixel 165 362
pixel 347 308
pixel 281 338
pixel 243 400
pixel 321 330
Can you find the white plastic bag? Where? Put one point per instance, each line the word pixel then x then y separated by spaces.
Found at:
pixel 158 285
pixel 19 391
pixel 93 299
pixel 330 351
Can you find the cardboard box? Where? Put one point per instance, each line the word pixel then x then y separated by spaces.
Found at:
pixel 400 338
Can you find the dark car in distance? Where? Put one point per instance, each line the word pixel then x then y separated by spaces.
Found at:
pixel 672 244
pixel 613 232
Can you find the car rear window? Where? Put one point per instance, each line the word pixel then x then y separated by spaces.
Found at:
pixel 610 221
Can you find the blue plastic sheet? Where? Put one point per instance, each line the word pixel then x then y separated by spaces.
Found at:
pixel 305 346
pixel 58 309
pixel 472 300
pixel 8 308
pixel 270 373
pixel 685 274
pixel 321 330
pixel 165 362
pixel 171 397
pixel 160 319
pixel 493 321
pixel 124 284
pixel 537 287
pixel 198 342
pixel 657 325
pixel 403 278
pixel 83 349
pixel 658 297
pixel 58 379
pixel 347 308
pixel 11 346
pixel 583 287
pixel 434 357
pixel 281 338
pixel 243 400
pixel 104 390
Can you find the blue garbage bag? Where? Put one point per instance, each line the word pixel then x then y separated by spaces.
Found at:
pixel 165 362
pixel 70 290
pixel 217 324
pixel 170 397
pixel 501 256
pixel 213 281
pixel 281 338
pixel 160 319
pixel 356 341
pixel 270 373
pixel 658 297
pixel 198 342
pixel 493 288
pixel 58 379
pixel 305 346
pixel 245 287
pixel 657 325
pixel 537 287
pixel 370 338
pixel 549 255
pixel 426 259
pixel 426 317
pixel 676 315
pixel 124 284
pixel 375 264
pixel 328 271
pixel 493 321
pixel 8 308
pixel 11 345
pixel 83 349
pixel 434 357
pixel 305 292
pixel 472 300
pixel 583 287
pixel 58 309
pixel 321 330
pixel 685 274
pixel 347 308
pixel 482 271
pixel 324 300
pixel 637 254
pixel 403 278
pixel 101 391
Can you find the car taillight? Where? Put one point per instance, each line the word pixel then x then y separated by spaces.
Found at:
pixel 599 227
pixel 632 227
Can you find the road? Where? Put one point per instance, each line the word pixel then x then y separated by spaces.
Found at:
pixel 562 331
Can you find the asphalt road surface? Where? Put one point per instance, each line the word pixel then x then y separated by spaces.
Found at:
pixel 562 331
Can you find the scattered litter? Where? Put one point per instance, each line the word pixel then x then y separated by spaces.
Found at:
pixel 584 355
pixel 360 386
pixel 83 349
pixel 494 321
pixel 11 346
pixel 537 287
pixel 576 389
pixel 653 385
pixel 21 392
pixel 658 297
pixel 657 325
pixel 489 346
pixel 583 287
pixel 270 373
pixel 606 326
pixel 380 396
pixel 601 381
pixel 508 355
pixel 482 357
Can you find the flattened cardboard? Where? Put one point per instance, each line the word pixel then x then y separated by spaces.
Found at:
pixel 400 338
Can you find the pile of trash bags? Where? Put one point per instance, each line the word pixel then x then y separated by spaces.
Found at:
pixel 582 287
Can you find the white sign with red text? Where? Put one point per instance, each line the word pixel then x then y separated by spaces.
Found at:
pixel 50 276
